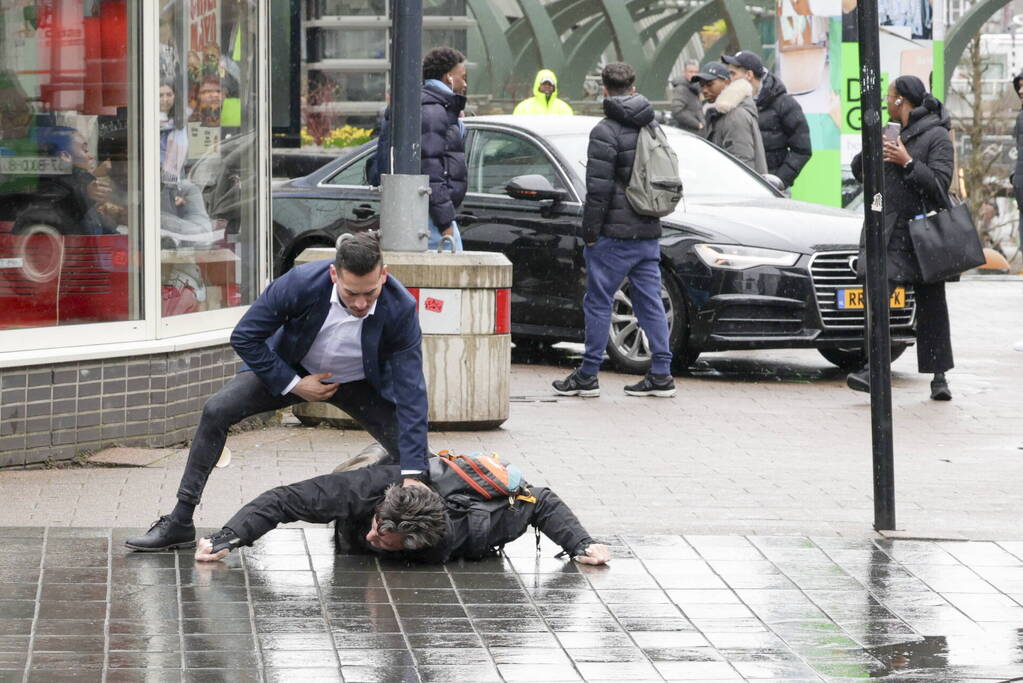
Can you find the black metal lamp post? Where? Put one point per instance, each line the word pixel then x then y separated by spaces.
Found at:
pixel 877 275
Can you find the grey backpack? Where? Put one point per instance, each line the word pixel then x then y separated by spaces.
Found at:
pixel 655 188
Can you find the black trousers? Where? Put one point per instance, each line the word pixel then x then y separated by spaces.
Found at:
pixel 246 395
pixel 933 334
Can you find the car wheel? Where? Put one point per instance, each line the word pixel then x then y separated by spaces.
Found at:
pixel 627 344
pixel 852 359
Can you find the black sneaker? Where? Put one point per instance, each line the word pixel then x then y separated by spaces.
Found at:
pixel 577 384
pixel 165 534
pixel 661 386
pixel 940 390
pixel 859 380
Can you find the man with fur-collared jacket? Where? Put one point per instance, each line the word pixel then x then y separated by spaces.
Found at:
pixel 731 114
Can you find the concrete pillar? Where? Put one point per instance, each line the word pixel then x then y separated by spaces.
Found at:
pixel 464 310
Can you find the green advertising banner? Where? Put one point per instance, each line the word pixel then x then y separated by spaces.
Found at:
pixel 818 61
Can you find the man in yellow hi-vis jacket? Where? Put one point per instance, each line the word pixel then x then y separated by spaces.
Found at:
pixel 545 98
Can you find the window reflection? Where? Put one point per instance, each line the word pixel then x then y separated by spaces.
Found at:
pixel 68 163
pixel 207 155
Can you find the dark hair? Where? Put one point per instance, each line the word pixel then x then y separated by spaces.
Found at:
pixel 915 92
pixel 1016 80
pixel 415 512
pixel 441 60
pixel 618 78
pixel 177 112
pixel 358 252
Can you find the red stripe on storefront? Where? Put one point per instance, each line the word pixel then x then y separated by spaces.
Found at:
pixel 502 311
pixel 414 291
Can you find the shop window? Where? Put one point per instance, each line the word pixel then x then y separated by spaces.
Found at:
pixel 208 155
pixel 69 163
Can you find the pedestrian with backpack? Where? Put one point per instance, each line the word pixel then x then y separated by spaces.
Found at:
pixel 621 240
pixel 473 505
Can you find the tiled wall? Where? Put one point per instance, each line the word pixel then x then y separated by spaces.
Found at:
pixel 51 413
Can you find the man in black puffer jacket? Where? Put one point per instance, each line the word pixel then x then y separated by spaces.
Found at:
pixel 620 243
pixel 783 125
pixel 443 150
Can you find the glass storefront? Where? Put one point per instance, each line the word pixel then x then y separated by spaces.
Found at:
pixel 69 163
pixel 208 155
pixel 85 239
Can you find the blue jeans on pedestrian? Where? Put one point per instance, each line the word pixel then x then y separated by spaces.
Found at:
pixel 435 236
pixel 608 263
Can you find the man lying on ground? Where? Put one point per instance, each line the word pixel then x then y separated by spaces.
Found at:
pixel 374 513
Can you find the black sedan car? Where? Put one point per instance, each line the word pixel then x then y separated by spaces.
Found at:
pixel 743 267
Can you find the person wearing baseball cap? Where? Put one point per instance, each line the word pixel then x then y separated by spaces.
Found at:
pixel 783 126
pixel 731 115
pixel 545 98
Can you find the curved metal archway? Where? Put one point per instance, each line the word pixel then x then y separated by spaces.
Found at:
pixel 958 37
pixel 517 50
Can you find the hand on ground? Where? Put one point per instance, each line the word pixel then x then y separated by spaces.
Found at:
pixel 204 551
pixel 596 553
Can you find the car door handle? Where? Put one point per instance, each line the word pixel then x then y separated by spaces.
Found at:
pixel 364 211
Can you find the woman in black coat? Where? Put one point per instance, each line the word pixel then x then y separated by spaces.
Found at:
pixel 917 173
pixel 443 146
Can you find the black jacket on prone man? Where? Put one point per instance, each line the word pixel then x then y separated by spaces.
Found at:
pixel 474 506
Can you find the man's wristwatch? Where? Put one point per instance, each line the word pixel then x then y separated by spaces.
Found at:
pixel 908 166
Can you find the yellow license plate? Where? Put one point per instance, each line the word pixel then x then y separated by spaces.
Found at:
pixel 853 298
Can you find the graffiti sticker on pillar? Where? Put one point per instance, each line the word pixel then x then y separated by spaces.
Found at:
pixel 440 311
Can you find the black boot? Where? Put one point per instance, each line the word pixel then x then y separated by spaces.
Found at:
pixel 939 388
pixel 859 380
pixel 166 534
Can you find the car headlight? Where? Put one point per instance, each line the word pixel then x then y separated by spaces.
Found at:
pixel 736 257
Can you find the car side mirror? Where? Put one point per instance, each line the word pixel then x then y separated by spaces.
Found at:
pixel 775 182
pixel 533 187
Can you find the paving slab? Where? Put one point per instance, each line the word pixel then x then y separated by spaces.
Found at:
pixel 668 608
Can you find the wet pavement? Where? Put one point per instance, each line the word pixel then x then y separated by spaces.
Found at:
pixel 739 512
pixel 74 606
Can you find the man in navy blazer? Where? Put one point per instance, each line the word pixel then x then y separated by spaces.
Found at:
pixel 343 332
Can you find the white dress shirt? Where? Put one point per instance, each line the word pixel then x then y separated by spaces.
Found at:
pixel 337 348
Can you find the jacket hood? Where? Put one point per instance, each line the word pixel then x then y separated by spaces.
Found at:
pixel 632 110
pixel 733 96
pixel 445 98
pixel 541 76
pixel 922 119
pixel 770 88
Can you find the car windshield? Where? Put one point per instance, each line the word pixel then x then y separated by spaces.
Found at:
pixel 704 169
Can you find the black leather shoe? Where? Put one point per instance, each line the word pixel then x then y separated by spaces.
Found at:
pixel 859 380
pixel 165 534
pixel 940 390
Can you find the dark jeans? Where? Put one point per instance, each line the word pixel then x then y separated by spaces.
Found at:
pixel 608 263
pixel 246 395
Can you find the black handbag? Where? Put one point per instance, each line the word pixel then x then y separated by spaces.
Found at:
pixel 946 241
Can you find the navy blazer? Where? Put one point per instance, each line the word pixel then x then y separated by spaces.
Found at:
pixel 275 334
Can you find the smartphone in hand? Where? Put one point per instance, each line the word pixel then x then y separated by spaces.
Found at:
pixel 891 131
